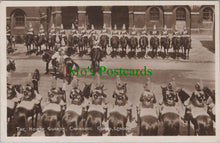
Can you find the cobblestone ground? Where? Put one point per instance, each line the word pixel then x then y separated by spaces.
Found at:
pixel 200 67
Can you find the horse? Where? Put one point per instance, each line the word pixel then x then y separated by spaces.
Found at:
pixel 69 63
pixel 143 43
pixel 176 43
pixel 85 43
pixel 27 108
pixel 29 41
pixel 74 113
pixel 73 42
pixel 165 43
pixel 96 55
pixel 81 45
pixel 114 44
pixel 11 66
pixel 203 124
pixel 51 42
pixel 35 79
pixel 169 114
pixel 154 43
pixel 133 44
pixel 96 113
pixel 124 43
pixel 186 46
pixel 39 41
pixel 148 123
pixel 46 57
pixel 104 43
pixel 52 114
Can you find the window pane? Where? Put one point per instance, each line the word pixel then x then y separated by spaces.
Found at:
pixel 207 14
pixel 180 14
pixel 154 14
pixel 19 18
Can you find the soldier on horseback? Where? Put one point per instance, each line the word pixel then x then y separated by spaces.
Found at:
pixel 62 35
pixel 115 41
pixel 165 40
pixel 124 39
pixel 143 42
pixel 29 39
pixel 154 41
pixel 186 42
pixel 104 40
pixel 52 37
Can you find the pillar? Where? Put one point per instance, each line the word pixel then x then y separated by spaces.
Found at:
pixel 82 16
pixel 131 16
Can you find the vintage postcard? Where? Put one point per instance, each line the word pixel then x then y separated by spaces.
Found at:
pixel 102 71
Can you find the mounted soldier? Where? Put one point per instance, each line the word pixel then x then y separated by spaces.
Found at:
pixel 115 41
pixel 143 42
pixel 62 34
pixel 52 37
pixel 104 40
pixel 176 42
pixel 54 109
pixel 165 40
pixel 29 38
pixel 186 42
pixel 41 39
pixel 120 114
pixel 85 39
pixel 92 36
pixel 147 112
pixel 154 41
pixel 196 112
pixel 73 41
pixel 97 110
pixel 124 40
pixel 133 43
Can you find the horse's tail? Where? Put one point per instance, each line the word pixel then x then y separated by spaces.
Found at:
pixel 49 122
pixel 70 123
pixel 205 125
pixel 171 124
pixel 149 126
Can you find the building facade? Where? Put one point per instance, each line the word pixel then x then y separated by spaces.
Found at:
pixel 197 19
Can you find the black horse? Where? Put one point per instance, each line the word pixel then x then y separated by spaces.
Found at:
pixel 176 43
pixel 114 44
pixel 96 55
pixel 104 42
pixel 165 43
pixel 124 43
pixel 143 43
pixel 29 41
pixel 154 43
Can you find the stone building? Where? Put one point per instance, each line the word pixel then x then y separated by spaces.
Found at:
pixel 197 19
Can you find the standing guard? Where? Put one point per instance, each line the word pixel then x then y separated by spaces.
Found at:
pixel 104 41
pixel 63 34
pixel 52 37
pixel 114 41
pixel 124 40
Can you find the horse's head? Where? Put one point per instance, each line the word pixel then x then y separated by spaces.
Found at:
pixel 11 66
pixel 183 95
pixel 87 90
pixel 76 96
pixel 97 96
pixel 197 98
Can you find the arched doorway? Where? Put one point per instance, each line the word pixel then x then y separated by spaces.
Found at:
pixel 120 16
pixel 180 18
pixel 95 17
pixel 69 16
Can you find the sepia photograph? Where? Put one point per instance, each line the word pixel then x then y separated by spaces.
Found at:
pixel 126 69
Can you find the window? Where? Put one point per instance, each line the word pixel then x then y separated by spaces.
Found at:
pixel 154 13
pixel 180 14
pixel 19 18
pixel 208 14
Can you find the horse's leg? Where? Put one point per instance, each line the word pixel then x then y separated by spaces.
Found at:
pixel 188 53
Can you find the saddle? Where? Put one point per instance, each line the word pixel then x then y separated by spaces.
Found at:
pixel 197 111
pixel 99 108
pixel 148 111
pixel 29 105
pixel 169 109
pixel 121 109
pixel 52 106
pixel 75 108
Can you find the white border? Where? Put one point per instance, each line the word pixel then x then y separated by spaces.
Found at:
pixel 3 63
